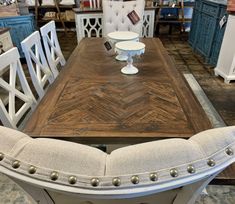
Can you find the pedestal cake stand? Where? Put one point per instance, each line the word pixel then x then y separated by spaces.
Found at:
pixel 120 36
pixel 130 49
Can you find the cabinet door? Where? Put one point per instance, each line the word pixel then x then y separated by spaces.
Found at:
pixel 205 35
pixel 194 28
pixel 20 29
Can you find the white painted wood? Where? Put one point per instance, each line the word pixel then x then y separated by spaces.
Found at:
pixel 37 63
pixel 226 62
pixel 10 117
pixel 52 47
pixel 91 24
pixel 37 195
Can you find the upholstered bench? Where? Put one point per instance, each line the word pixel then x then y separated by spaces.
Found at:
pixel 166 171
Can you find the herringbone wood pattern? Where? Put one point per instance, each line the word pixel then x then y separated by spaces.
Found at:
pixel 91 99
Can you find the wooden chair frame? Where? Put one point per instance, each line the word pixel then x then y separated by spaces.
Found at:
pixel 51 44
pixel 11 117
pixel 40 73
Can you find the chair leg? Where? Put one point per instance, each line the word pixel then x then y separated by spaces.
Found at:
pixel 40 196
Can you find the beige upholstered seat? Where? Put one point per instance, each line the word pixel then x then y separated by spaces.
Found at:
pixel 166 171
pixel 115 16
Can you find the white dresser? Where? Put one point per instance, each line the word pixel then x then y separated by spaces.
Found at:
pixel 5 40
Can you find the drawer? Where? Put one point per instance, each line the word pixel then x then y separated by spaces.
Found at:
pixel 6 41
pixel 210 9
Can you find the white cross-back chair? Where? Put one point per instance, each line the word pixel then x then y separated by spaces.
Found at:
pixel 10 113
pixel 115 16
pixel 38 67
pixel 172 171
pixel 52 47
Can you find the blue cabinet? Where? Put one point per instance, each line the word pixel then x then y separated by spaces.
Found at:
pixel 21 27
pixel 206 35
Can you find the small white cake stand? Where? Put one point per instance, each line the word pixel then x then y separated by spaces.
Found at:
pixel 130 48
pixel 120 36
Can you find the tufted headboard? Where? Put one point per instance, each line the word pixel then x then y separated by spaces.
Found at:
pixel 115 16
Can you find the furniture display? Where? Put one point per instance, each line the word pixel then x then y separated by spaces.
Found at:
pixel 61 12
pixel 226 62
pixel 119 36
pixel 130 49
pixel 51 44
pixel 56 172
pixel 173 12
pixel 206 35
pixel 89 22
pixel 20 28
pixel 91 101
pixel 5 40
pixel 39 70
pixel 13 115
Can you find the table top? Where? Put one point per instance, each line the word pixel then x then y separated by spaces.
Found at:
pixel 123 35
pixel 130 46
pixel 92 102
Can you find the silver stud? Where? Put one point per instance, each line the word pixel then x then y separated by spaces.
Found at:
pixel 54 175
pixel 229 151
pixel 1 156
pixel 116 181
pixel 32 169
pixel 191 169
pixel 72 180
pixel 16 164
pixel 95 182
pixel 135 179
pixel 211 162
pixel 153 177
pixel 174 172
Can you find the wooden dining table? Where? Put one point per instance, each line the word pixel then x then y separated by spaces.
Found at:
pixel 92 102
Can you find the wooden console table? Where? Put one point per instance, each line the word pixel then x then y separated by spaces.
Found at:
pixel 89 22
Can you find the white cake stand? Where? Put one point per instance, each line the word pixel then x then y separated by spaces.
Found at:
pixel 120 36
pixel 130 49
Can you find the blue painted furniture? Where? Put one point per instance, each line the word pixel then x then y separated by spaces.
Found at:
pixel 206 35
pixel 21 27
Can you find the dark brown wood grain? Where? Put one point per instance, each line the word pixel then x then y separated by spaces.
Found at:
pixel 92 102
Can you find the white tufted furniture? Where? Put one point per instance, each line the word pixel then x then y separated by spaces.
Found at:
pixel 115 16
pixel 168 171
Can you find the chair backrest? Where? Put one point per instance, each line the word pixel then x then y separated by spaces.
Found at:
pixel 37 64
pixel 10 112
pixel 115 16
pixel 52 47
pixel 166 171
pixel 95 3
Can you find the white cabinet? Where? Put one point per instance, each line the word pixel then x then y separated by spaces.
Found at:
pixel 226 62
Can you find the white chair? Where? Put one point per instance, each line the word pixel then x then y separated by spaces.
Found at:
pixel 167 171
pixel 115 16
pixel 52 47
pixel 39 70
pixel 12 115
